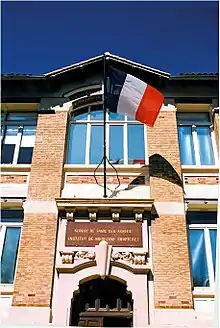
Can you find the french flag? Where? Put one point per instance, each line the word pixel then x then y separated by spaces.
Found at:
pixel 128 95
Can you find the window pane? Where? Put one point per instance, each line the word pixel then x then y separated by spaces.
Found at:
pixel 12 215
pixel 198 258
pixel 193 118
pixel 96 144
pixel 213 236
pixel 116 117
pixel 136 151
pixel 77 144
pixel 205 146
pixel 9 255
pixel 201 217
pixel 22 117
pixel 81 114
pixel 10 139
pixel 96 113
pixel 27 145
pixel 186 145
pixel 116 145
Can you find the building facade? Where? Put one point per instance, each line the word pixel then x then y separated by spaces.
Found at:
pixel 143 256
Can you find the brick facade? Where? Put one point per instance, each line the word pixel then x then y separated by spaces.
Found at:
pixel 172 282
pixel 14 179
pixel 33 284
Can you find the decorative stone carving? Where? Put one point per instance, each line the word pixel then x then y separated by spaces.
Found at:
pixel 138 215
pixel 115 216
pixel 130 257
pixel 92 214
pixel 69 215
pixel 69 258
pixel 84 255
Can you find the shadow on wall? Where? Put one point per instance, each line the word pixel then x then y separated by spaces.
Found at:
pixel 158 167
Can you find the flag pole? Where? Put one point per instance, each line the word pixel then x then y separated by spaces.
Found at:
pixel 104 126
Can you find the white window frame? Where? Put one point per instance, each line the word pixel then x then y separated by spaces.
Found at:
pixel 208 250
pixel 195 139
pixel 124 123
pixel 20 124
pixel 4 226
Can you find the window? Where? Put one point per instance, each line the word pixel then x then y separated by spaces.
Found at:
pixel 195 139
pixel 18 137
pixel 202 246
pixel 125 138
pixel 10 230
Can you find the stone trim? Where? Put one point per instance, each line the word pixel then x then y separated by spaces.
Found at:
pixel 170 208
pixel 40 206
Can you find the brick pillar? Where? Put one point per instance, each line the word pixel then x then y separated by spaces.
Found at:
pixel 216 128
pixel 34 276
pixel 172 281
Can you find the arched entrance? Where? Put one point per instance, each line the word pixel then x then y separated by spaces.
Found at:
pixel 102 303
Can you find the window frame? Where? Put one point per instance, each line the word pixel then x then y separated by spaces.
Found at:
pixel 195 139
pixel 210 266
pixel 124 123
pixel 4 226
pixel 21 124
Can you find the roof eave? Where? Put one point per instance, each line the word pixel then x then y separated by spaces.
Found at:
pixel 110 56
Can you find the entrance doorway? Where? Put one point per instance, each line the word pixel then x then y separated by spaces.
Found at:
pixel 102 303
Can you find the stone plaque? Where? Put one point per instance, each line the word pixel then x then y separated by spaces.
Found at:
pixel 115 233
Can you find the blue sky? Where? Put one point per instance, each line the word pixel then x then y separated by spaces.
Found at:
pixel 172 36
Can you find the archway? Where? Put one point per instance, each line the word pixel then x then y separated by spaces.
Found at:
pixel 102 303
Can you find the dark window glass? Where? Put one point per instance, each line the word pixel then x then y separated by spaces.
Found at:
pixel 200 217
pixel 213 236
pixel 198 258
pixel 12 215
pixel 25 155
pixel 9 254
pixel 7 154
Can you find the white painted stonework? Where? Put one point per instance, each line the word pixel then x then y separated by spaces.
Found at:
pixel 201 191
pixel 124 191
pixel 15 190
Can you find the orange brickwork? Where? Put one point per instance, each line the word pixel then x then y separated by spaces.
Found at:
pixel 33 283
pixel 172 280
pixel 13 178
pixel 216 129
pixel 110 179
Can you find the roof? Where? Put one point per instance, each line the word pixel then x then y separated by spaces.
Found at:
pixel 112 57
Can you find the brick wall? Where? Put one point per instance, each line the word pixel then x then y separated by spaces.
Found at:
pixel 172 282
pixel 34 275
pixel 13 178
pixel 216 128
pixel 81 179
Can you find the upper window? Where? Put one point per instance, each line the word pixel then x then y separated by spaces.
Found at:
pixel 125 138
pixel 202 246
pixel 10 230
pixel 18 137
pixel 195 139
